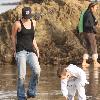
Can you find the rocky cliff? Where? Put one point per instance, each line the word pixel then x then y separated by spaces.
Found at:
pixel 56 22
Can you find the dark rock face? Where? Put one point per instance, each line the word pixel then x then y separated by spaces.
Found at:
pixel 55 34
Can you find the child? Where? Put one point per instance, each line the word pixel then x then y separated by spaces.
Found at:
pixel 72 78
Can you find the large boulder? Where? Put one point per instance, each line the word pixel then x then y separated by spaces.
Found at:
pixel 55 35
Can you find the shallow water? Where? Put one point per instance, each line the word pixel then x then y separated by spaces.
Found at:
pixel 6 5
pixel 49 84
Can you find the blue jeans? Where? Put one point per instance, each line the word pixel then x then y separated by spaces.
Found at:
pixel 22 58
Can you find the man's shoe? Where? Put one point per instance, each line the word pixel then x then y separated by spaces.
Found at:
pixel 30 96
pixel 21 98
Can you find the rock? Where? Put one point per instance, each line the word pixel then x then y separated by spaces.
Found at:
pixel 56 20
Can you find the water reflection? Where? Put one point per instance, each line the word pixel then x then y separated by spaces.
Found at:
pixel 49 84
pixel 93 76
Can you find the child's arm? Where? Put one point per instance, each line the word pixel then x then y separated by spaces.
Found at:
pixel 83 78
pixel 64 88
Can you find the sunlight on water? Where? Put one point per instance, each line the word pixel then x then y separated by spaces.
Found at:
pixel 6 7
pixel 6 95
pixel 8 1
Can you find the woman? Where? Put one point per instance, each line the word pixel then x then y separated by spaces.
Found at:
pixel 89 29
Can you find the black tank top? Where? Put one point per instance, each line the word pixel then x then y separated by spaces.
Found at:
pixel 25 38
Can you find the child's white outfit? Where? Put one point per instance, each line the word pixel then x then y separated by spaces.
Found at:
pixel 76 82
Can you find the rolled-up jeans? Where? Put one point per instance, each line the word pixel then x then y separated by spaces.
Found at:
pixel 22 58
pixel 89 42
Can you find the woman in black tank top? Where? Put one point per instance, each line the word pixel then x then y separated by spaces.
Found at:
pixel 23 43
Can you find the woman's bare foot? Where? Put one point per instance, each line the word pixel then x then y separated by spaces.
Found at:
pixel 84 64
pixel 96 64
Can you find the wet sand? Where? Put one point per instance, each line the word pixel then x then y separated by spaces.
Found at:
pixel 49 84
